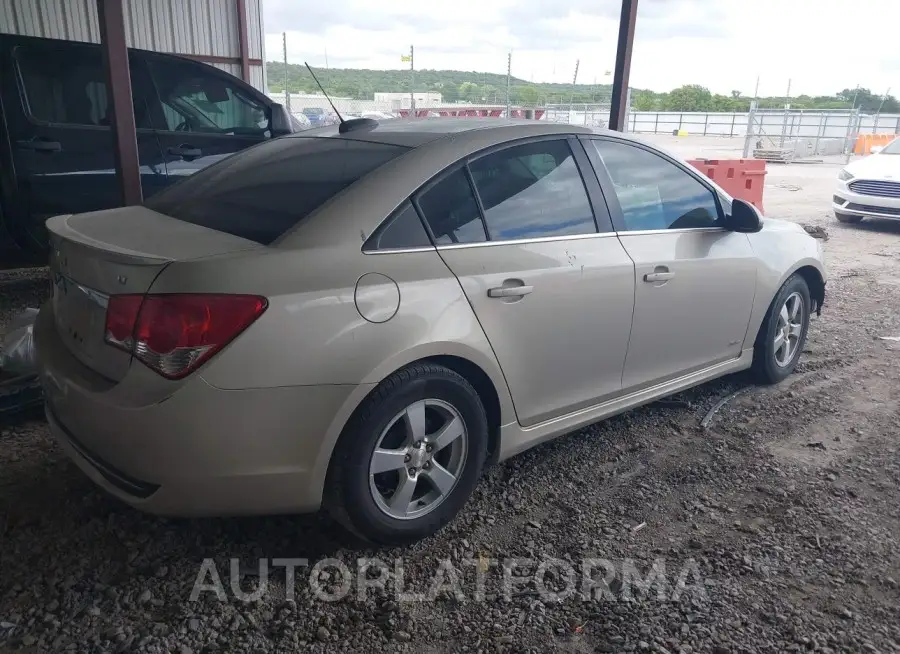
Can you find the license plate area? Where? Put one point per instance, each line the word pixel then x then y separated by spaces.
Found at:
pixel 80 314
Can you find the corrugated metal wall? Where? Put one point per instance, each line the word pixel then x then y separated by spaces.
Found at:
pixel 195 27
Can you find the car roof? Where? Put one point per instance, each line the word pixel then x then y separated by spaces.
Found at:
pixel 413 133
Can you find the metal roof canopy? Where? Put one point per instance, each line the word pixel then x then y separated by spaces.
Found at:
pixel 115 54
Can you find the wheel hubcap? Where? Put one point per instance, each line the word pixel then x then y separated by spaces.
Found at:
pixel 418 459
pixel 788 329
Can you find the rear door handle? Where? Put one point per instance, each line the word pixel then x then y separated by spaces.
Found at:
pixel 39 145
pixel 186 151
pixel 658 277
pixel 510 291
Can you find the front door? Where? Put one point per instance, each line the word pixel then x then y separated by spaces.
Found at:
pixel 61 137
pixel 553 293
pixel 694 281
pixel 201 114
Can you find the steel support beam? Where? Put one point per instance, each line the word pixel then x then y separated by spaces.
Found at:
pixel 118 79
pixel 243 39
pixel 619 110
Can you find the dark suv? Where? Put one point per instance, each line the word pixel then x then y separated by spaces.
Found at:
pixel 56 146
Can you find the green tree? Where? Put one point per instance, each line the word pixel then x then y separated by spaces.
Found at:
pixel 528 95
pixel 691 97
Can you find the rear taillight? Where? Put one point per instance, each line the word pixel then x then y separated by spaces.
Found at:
pixel 174 334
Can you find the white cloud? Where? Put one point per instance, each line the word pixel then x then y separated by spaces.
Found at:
pixel 820 45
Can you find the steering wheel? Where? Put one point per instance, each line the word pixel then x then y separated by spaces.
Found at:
pixel 183 127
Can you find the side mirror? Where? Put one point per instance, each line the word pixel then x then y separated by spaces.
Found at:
pixel 875 149
pixel 743 217
pixel 280 123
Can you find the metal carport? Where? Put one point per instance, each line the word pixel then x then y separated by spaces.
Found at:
pixel 232 44
pixel 227 34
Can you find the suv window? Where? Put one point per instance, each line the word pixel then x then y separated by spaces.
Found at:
pixel 263 191
pixel 655 193
pixel 68 87
pixel 196 100
pixel 403 229
pixel 451 211
pixel 533 190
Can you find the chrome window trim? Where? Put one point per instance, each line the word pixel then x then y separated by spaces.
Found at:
pixel 671 231
pixel 421 248
pixel 525 241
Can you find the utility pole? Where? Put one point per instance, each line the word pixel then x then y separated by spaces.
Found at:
pixel 572 97
pixel 287 93
pixel 508 75
pixel 412 84
pixel 326 58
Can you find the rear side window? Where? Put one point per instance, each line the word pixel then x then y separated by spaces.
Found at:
pixel 452 211
pixel 533 191
pixel 402 230
pixel 68 86
pixel 263 191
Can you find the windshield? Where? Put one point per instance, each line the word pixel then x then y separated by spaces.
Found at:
pixel 892 148
pixel 263 191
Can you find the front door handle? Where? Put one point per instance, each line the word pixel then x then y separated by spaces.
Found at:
pixel 510 291
pixel 658 277
pixel 186 151
pixel 41 145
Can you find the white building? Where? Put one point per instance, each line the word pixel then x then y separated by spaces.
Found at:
pixel 396 101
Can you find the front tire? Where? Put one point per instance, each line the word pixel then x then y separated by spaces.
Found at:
pixel 410 457
pixel 847 217
pixel 782 334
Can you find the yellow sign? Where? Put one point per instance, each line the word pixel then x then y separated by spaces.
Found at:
pixel 405 57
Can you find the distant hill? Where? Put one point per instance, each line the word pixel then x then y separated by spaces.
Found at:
pixel 490 88
pixel 453 85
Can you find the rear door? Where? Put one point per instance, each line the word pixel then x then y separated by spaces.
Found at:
pixel 58 112
pixel 553 291
pixel 202 114
pixel 694 281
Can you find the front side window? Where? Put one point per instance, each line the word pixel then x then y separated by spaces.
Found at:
pixel 655 193
pixel 533 191
pixel 67 87
pixel 451 211
pixel 196 100
pixel 262 192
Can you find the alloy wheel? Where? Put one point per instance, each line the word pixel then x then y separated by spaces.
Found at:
pixel 788 330
pixel 418 459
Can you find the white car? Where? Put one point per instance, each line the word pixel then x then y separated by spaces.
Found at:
pixel 870 186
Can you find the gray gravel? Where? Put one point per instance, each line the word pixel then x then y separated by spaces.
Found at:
pixel 788 504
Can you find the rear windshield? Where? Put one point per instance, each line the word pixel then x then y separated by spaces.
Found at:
pixel 262 192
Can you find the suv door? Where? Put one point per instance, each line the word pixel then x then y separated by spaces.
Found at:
pixel 202 114
pixel 57 109
pixel 694 281
pixel 554 294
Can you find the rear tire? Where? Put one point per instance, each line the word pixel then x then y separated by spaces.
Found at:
pixel 782 334
pixel 847 217
pixel 421 487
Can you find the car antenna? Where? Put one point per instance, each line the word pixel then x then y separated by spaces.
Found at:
pixel 321 88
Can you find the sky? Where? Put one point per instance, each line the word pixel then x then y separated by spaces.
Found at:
pixel 724 45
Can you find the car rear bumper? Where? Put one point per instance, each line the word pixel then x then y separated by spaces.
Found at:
pixel 197 451
pixel 847 202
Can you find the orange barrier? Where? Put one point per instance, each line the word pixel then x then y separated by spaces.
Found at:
pixel 740 178
pixel 865 142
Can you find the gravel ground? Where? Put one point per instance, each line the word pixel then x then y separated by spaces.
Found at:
pixel 781 520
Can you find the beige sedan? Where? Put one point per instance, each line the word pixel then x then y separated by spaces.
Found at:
pixel 363 317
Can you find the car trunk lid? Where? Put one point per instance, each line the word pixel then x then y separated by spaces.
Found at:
pixel 116 252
